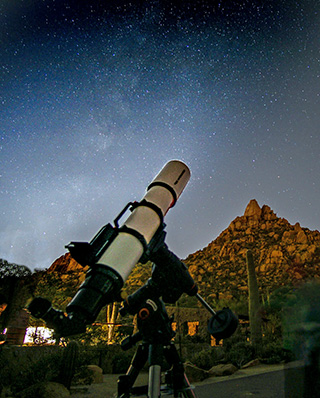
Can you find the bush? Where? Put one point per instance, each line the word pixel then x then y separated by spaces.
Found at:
pixel 46 368
pixel 207 358
pixel 237 337
pixel 274 353
pixel 21 367
pixel 121 362
pixel 240 353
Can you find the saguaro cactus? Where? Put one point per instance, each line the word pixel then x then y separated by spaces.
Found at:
pixel 254 302
pixel 68 365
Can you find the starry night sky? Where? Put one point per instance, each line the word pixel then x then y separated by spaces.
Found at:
pixel 95 100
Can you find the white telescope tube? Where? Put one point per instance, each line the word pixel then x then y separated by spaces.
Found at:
pixel 163 192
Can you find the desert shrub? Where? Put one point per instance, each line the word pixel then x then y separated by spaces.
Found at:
pixel 274 353
pixel 237 337
pixel 240 353
pixel 121 362
pixel 45 369
pixel 106 357
pixel 205 359
pixel 23 367
pixel 195 339
pixel 87 355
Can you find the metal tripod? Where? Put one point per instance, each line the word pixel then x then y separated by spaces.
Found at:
pixel 169 280
pixel 155 333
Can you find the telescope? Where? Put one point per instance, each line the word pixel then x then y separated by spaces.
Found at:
pixel 111 255
pixel 114 251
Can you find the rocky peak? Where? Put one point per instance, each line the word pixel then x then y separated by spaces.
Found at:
pixel 64 264
pixel 253 209
pixel 283 253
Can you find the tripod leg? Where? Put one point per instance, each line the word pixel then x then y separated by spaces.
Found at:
pixel 154 381
pixel 126 382
pixel 155 360
pixel 188 391
pixel 178 380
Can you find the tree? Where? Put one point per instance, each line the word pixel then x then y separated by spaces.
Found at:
pixel 17 284
pixel 13 270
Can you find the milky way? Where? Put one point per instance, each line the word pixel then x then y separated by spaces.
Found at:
pixel 95 101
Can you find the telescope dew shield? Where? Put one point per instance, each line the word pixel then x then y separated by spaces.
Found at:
pixel 105 278
pixel 163 192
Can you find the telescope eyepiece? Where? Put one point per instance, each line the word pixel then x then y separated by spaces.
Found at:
pixel 63 325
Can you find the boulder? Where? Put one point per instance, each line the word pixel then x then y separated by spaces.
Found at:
pixel 223 370
pixel 301 237
pixel 95 374
pixel 254 362
pixel 194 373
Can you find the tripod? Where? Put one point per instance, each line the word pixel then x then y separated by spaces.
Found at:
pixel 169 280
pixel 156 334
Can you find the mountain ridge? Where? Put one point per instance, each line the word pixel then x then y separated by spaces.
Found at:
pixel 284 254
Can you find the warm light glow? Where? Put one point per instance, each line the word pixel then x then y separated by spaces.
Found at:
pixel 193 328
pixel 39 335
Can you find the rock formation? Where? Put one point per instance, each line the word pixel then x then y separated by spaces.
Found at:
pixel 65 263
pixel 284 254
